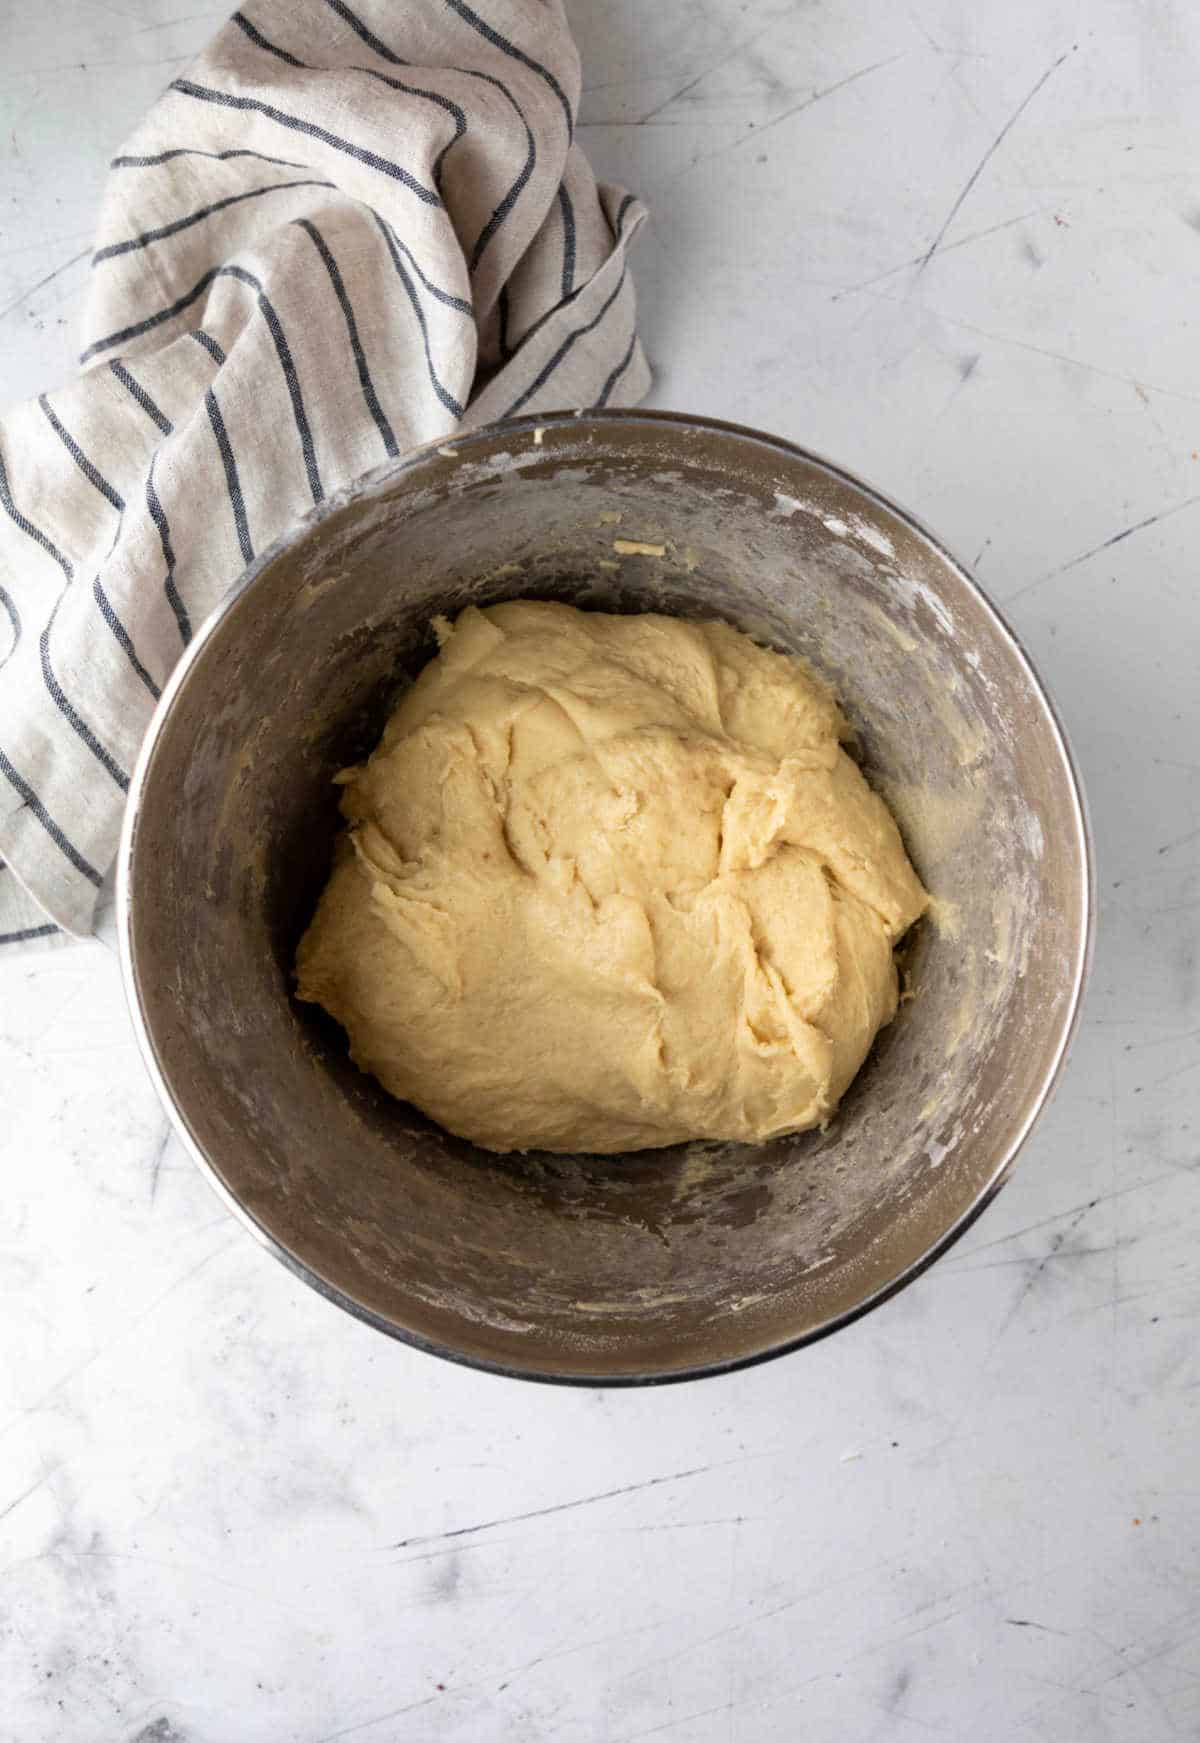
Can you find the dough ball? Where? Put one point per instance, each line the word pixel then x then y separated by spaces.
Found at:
pixel 610 883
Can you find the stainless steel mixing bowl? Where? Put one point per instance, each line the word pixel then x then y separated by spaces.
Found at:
pixel 669 1263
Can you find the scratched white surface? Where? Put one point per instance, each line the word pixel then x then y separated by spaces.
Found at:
pixel 958 249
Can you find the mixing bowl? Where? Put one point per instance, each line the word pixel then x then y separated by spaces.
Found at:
pixel 668 1263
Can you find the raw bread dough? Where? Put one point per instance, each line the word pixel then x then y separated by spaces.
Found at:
pixel 611 883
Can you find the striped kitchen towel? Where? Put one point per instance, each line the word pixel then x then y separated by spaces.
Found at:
pixel 344 232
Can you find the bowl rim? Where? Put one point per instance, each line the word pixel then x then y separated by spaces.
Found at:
pixel 458 446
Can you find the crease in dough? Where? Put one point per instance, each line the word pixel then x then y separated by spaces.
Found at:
pixel 611 883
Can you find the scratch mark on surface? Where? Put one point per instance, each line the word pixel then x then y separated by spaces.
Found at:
pixel 513 1672
pixel 756 133
pixel 1040 350
pixel 1170 1077
pixel 671 1724
pixel 263 1594
pixel 973 54
pixel 1052 1257
pixel 567 1506
pixel 1112 1171
pixel 440 1554
pixel 729 55
pixel 1179 841
pixel 623 121
pixel 1029 1229
pixel 1024 1622
pixel 379 1719
pixel 43 242
pixel 1105 545
pixel 170 23
pixel 612 84
pixel 158 1160
pixel 1134 1666
pixel 31 1490
pixel 1032 1280
pixel 918 259
pixel 682 1525
pixel 819 96
pixel 987 157
pixel 43 282
pixel 110 1343
pixel 89 67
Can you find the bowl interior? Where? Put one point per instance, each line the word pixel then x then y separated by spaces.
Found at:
pixel 677 1261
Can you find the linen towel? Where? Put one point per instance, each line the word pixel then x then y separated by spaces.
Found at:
pixel 342 233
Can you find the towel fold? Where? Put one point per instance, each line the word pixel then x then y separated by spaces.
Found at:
pixel 341 234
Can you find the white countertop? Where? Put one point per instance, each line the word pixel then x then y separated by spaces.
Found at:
pixel 958 250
